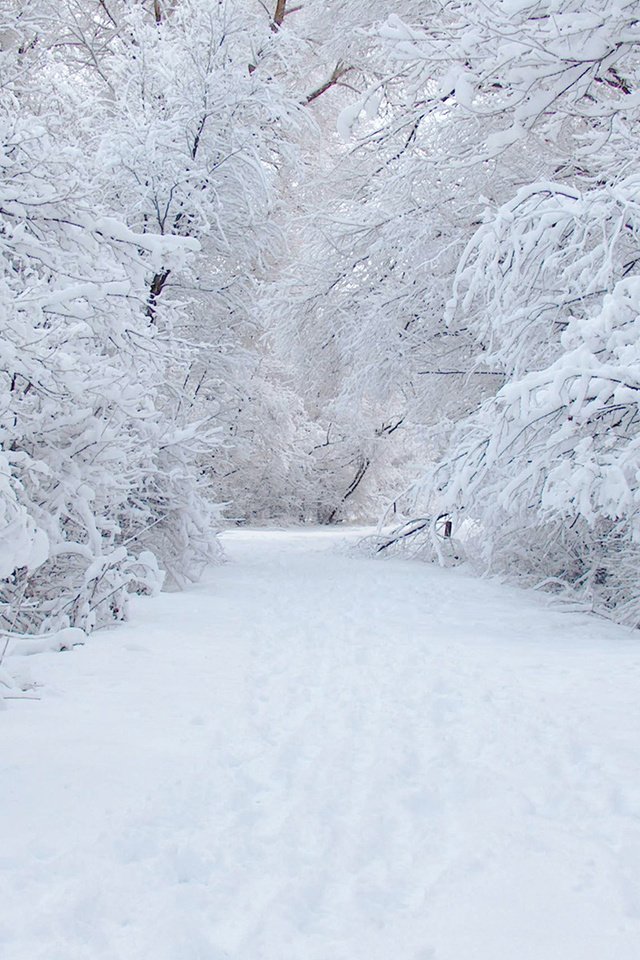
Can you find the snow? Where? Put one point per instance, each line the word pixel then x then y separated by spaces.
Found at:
pixel 347 118
pixel 59 640
pixel 318 756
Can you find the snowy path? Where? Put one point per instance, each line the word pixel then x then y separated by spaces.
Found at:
pixel 316 757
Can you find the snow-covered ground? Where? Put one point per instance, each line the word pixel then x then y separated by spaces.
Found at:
pixel 312 756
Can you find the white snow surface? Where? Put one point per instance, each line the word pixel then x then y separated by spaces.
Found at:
pixel 316 756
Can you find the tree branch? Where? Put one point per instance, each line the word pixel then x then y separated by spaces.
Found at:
pixel 338 72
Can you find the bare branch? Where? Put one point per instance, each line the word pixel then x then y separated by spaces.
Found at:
pixel 338 72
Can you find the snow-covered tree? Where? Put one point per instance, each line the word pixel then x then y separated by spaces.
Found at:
pixel 547 469
pixel 100 481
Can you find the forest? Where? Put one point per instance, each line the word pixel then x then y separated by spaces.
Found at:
pixel 319 479
pixel 317 262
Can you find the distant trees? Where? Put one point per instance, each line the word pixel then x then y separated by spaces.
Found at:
pixel 344 302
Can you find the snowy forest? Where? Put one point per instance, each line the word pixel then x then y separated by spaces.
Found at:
pixel 320 461
pixel 317 262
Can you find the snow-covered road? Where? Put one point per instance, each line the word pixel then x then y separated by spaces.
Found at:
pixel 312 756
